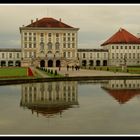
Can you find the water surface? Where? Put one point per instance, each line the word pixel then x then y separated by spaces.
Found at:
pixel 85 107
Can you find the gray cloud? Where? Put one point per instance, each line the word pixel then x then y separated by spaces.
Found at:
pixel 96 22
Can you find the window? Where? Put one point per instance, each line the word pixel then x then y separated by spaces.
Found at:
pixel 133 47
pixel 104 55
pixel 90 55
pixel 112 47
pixel 30 54
pixel 25 33
pixel 73 34
pixel 138 47
pixel 68 54
pixel 25 38
pixel 133 55
pixel 49 34
pixel 57 34
pixel 64 54
pixel 129 55
pixel 17 55
pixel 129 47
pixel 125 47
pixel 84 56
pixel 34 38
pixel 64 34
pixel 49 39
pixel 117 47
pixel 25 45
pixel 30 33
pixel 68 34
pixel 57 39
pixel 68 45
pixel 49 45
pixel 57 45
pixel 64 39
pixel 73 45
pixel 138 55
pixel 30 39
pixel 121 55
pixel 112 55
pixel 34 45
pixel 2 55
pixel 78 55
pixel 10 55
pixel 117 55
pixel 42 34
pixel 121 47
pixel 64 45
pixel 34 34
pixel 68 38
pixel 97 55
pixel 73 39
pixel 30 45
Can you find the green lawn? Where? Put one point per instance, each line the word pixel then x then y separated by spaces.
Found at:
pixel 13 72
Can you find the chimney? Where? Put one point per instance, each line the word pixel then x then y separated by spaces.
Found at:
pixel 31 21
pixel 60 19
pixel 36 19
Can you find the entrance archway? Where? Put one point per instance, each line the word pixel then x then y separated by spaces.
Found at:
pixel 17 63
pixel 105 63
pixel 10 63
pixel 58 63
pixel 98 63
pixel 3 63
pixel 91 62
pixel 84 63
pixel 42 63
pixel 50 63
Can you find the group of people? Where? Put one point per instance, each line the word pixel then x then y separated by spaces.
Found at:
pixel 76 67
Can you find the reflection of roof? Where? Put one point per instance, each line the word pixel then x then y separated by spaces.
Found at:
pixel 123 95
pixel 49 22
pixel 49 109
pixel 122 37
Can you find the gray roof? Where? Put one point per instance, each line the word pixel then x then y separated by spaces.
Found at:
pixel 92 50
pixel 10 50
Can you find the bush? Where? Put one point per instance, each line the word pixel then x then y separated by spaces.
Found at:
pixel 48 70
pixel 51 71
pixel 94 68
pixel 55 72
pixel 107 69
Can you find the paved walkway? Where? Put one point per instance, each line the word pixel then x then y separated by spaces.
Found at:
pixel 86 72
pixel 39 72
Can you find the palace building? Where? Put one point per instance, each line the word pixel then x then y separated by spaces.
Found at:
pixel 48 42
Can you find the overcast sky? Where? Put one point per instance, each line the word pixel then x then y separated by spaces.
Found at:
pixel 96 22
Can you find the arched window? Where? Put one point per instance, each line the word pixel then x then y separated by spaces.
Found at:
pixel 49 46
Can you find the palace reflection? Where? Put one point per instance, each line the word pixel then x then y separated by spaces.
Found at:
pixel 122 90
pixel 51 98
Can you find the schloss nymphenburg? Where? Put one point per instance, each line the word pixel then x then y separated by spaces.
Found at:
pixel 48 42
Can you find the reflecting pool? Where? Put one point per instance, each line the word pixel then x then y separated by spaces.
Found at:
pixel 71 107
